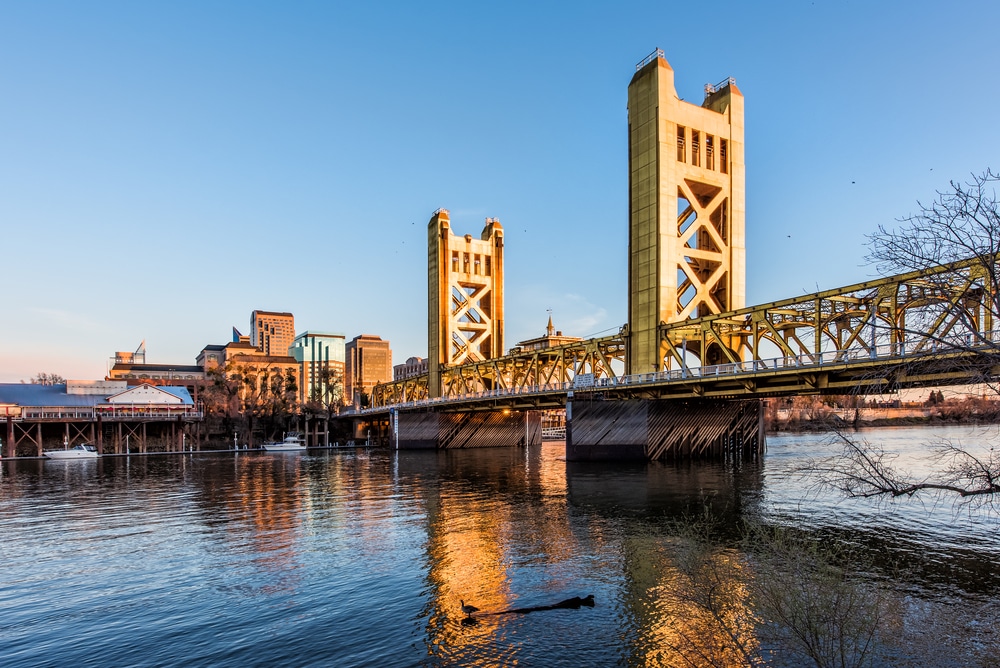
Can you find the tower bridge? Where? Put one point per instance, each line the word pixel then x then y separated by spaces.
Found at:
pixel 686 375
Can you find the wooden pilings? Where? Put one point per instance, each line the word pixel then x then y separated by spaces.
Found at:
pixel 8 443
pixel 30 438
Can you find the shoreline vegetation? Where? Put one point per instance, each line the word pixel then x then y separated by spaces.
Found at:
pixel 828 413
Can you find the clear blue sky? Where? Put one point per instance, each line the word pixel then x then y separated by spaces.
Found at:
pixel 167 168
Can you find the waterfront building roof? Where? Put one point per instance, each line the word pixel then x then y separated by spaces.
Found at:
pixel 24 394
pixel 159 368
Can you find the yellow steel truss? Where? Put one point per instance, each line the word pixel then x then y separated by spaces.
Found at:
pixel 950 306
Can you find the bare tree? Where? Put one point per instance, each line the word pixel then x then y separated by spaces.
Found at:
pixel 961 223
pixel 251 396
pixel 42 378
pixel 956 240
pixel 268 397
pixel 865 470
pixel 326 396
pixel 777 598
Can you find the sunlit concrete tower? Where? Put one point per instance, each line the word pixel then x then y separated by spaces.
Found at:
pixel 464 296
pixel 686 208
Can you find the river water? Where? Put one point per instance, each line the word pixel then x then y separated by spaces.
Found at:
pixel 361 557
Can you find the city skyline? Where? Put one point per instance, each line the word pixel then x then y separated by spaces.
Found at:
pixel 166 170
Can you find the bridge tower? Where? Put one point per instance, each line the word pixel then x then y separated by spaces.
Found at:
pixel 686 209
pixel 464 296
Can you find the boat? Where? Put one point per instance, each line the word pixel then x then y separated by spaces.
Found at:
pixel 291 442
pixel 83 451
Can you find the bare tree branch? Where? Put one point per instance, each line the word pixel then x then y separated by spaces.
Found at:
pixel 863 470
pixel 960 310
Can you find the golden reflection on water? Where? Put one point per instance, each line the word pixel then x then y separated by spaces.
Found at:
pixel 683 607
pixel 697 611
pixel 474 537
pixel 269 495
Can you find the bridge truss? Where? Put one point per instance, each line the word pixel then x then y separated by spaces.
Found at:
pixel 924 327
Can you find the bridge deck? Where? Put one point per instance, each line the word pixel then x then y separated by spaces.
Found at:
pixel 882 368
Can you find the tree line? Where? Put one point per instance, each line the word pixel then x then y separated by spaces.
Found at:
pixel 258 402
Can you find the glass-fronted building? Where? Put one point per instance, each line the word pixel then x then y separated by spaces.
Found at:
pixel 321 366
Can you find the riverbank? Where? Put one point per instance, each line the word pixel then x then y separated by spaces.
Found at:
pixel 828 418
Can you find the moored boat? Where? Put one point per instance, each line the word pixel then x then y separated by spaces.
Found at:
pixel 291 442
pixel 82 451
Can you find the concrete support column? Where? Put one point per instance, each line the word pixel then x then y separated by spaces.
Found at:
pixel 416 431
pixel 663 429
pixel 39 452
pixel 606 430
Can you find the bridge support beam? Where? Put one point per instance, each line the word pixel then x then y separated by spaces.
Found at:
pixel 639 429
pixel 447 431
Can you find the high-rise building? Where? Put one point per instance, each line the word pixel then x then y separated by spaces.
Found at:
pixel 368 362
pixel 272 332
pixel 321 366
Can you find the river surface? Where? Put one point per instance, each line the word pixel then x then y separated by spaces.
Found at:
pixel 361 557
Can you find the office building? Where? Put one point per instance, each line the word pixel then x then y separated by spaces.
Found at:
pixel 321 366
pixel 413 366
pixel 368 361
pixel 272 332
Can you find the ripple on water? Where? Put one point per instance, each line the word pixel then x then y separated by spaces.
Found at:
pixel 361 558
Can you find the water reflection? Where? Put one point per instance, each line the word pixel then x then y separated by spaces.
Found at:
pixel 362 557
pixel 666 489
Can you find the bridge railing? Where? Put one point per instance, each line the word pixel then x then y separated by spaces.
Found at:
pixel 885 352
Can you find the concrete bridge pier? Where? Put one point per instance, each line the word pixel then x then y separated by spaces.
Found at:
pixel 641 429
pixel 445 431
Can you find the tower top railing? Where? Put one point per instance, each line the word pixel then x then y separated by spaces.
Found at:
pixel 715 88
pixel 658 53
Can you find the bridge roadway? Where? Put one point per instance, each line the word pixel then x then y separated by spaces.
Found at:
pixel 882 368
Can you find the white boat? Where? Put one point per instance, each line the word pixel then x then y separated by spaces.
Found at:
pixel 76 452
pixel 292 442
